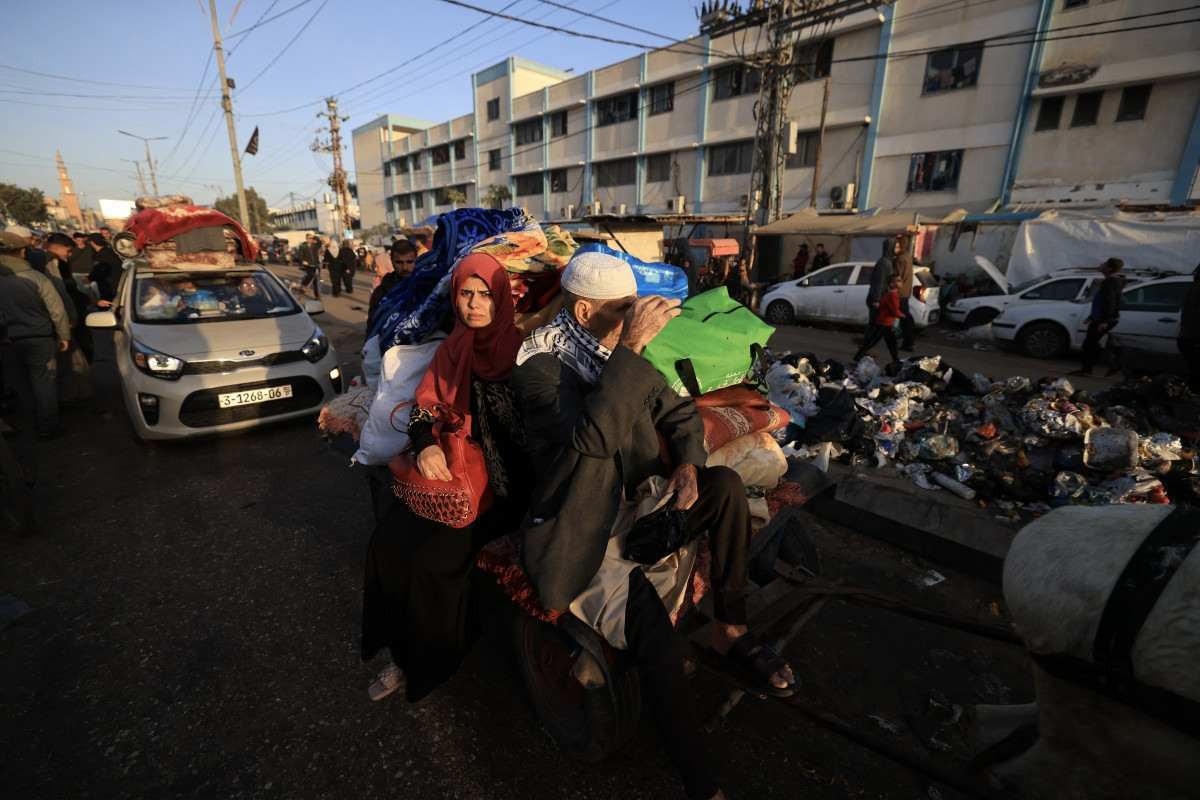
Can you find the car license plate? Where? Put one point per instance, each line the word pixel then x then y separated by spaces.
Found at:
pixel 252 396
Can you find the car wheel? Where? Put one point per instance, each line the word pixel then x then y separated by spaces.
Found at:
pixel 781 312
pixel 980 316
pixel 1043 340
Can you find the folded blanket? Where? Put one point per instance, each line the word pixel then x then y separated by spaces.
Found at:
pixel 736 411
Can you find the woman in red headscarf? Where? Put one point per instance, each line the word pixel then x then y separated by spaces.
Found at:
pixel 416 595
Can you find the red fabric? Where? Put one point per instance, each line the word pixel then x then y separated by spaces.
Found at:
pixel 889 309
pixel 736 411
pixel 157 225
pixel 535 290
pixel 489 353
pixel 501 559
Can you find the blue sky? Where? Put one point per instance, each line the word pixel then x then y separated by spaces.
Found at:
pixel 151 54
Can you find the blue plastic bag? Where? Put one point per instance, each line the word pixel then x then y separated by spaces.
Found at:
pixel 653 277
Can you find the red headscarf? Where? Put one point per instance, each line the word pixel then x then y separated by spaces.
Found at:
pixel 489 353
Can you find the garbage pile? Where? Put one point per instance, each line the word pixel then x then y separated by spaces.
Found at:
pixel 1017 446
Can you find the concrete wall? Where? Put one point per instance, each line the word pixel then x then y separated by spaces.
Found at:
pixel 369 147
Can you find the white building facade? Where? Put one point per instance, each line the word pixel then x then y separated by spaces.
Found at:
pixel 932 106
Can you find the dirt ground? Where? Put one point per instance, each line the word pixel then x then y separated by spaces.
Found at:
pixel 194 634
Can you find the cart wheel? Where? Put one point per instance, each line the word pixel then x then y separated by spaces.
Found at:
pixel 591 724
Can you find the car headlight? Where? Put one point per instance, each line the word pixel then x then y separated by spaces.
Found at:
pixel 316 347
pixel 152 362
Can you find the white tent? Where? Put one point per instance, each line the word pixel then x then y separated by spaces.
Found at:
pixel 1168 241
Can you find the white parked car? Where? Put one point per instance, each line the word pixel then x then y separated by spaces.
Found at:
pixel 1059 286
pixel 838 293
pixel 205 349
pixel 1149 326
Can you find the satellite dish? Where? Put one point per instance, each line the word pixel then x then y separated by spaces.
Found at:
pixel 836 194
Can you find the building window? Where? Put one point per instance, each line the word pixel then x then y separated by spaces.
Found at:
pixel 662 98
pixel 440 155
pixel 612 110
pixel 813 61
pixel 441 195
pixel 806 150
pixel 934 172
pixel 493 160
pixel 529 184
pixel 418 200
pixel 493 109
pixel 731 159
pixel 558 124
pixel 658 168
pixel 1074 4
pixel 1049 113
pixel 400 166
pixel 528 131
pixel 735 80
pixel 953 68
pixel 460 150
pixel 1134 100
pixel 622 172
pixel 416 162
pixel 558 180
pixel 1087 109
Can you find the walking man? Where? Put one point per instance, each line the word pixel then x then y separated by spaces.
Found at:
pixel 106 269
pixel 904 269
pixel 820 258
pixel 309 253
pixel 38 329
pixel 344 264
pixel 1105 314
pixel 886 314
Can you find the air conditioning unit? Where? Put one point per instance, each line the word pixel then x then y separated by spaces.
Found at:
pixel 676 204
pixel 596 208
pixel 619 209
pixel 792 133
pixel 842 196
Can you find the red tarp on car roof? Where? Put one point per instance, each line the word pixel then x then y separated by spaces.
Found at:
pixel 717 247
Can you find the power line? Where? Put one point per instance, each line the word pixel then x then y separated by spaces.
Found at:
pixel 262 21
pixel 87 80
pixel 286 47
pixel 619 24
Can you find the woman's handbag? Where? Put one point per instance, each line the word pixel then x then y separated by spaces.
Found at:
pixel 455 503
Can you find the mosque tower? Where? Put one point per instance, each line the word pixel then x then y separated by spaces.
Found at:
pixel 68 198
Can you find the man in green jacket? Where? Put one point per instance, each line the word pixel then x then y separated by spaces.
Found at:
pixel 594 411
pixel 37 327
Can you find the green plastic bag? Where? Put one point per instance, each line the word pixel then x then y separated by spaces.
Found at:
pixel 713 343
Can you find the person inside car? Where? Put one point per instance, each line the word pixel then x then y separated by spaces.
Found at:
pixel 250 298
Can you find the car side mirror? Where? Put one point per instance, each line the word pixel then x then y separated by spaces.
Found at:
pixel 101 319
pixel 313 307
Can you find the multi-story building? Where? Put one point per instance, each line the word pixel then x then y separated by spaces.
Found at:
pixel 931 106
pixel 319 216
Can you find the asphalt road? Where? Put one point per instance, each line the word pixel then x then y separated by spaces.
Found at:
pixel 194 634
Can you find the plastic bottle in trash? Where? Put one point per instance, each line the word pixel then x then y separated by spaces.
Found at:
pixel 951 485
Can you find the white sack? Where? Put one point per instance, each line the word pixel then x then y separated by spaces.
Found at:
pixel 386 431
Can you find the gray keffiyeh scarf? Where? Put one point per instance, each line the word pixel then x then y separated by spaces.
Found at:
pixel 570 343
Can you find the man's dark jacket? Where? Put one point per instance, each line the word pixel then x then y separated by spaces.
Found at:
pixel 106 271
pixel 587 443
pixel 347 260
pixel 881 275
pixel 1106 307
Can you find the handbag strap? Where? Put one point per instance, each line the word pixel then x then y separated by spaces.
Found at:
pixel 687 374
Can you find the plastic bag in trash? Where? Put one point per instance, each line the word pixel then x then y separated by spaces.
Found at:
pixel 865 371
pixel 930 363
pixel 982 383
pixel 1160 447
pixel 1055 418
pixel 937 447
pixel 914 391
pixel 791 389
pixel 1068 487
pixel 1059 388
pixel 919 474
pixel 1017 384
pixel 897 409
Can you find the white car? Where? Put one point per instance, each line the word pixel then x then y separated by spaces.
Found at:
pixel 205 349
pixel 838 293
pixel 1066 285
pixel 1149 325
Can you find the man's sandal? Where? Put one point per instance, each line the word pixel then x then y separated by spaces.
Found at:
pixel 755 662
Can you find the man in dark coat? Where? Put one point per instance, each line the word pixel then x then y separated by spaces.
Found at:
pixel 820 258
pixel 881 276
pixel 594 410
pixel 342 268
pixel 1189 331
pixel 106 269
pixel 308 253
pixel 1105 314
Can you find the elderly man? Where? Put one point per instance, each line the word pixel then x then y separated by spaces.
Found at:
pixel 37 329
pixel 594 410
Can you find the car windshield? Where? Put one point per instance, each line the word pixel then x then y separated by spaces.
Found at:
pixel 182 297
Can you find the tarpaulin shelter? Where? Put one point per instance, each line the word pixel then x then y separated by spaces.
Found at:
pixel 1060 239
pixel 846 237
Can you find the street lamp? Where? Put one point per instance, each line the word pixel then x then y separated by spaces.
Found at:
pixel 146 140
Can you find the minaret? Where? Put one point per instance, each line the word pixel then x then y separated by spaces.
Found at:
pixel 68 198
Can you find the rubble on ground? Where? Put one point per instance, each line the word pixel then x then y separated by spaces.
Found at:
pixel 1016 446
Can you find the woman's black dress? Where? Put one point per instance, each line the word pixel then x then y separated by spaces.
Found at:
pixel 416 591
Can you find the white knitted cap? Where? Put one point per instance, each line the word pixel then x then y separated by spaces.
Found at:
pixel 598 276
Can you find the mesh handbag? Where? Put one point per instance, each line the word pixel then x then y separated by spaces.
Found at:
pixel 455 503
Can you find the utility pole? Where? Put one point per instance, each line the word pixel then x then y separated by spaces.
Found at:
pixel 337 181
pixel 146 140
pixel 141 181
pixel 227 105
pixel 812 200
